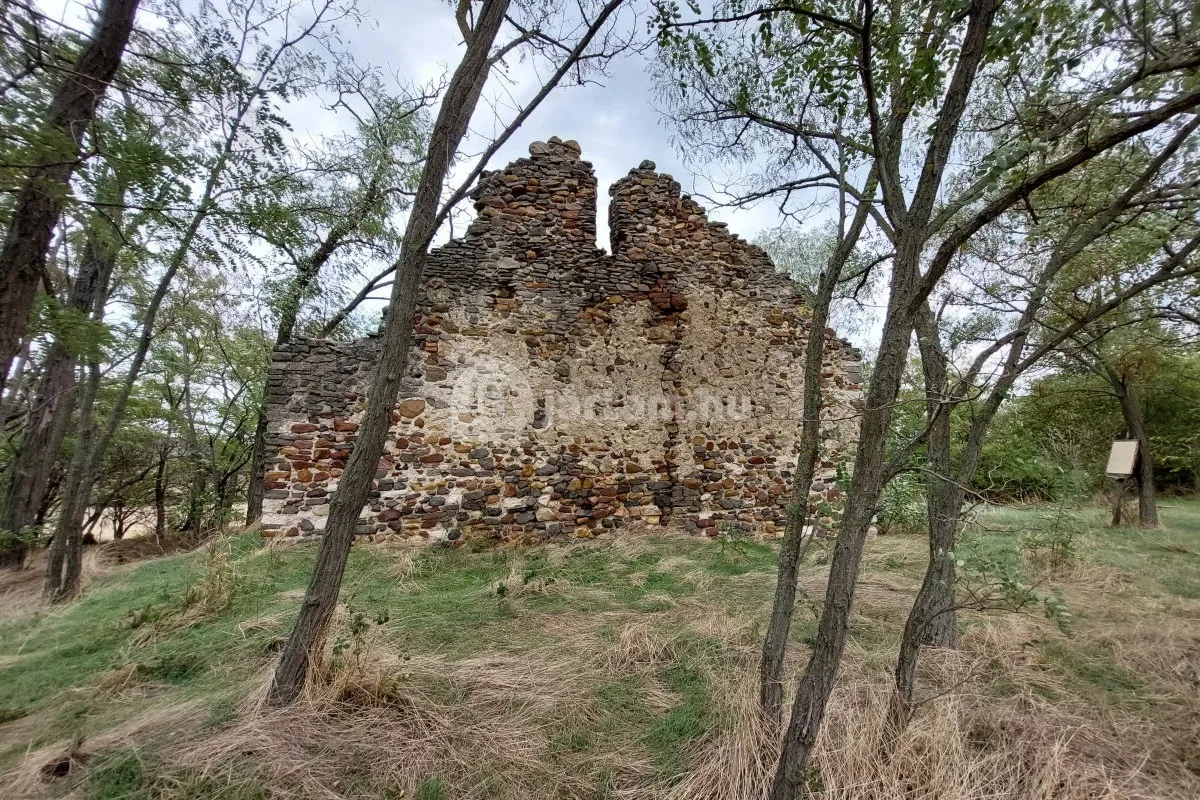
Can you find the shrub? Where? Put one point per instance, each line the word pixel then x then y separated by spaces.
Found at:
pixel 902 506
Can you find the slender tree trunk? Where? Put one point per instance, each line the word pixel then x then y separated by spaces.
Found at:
pixel 907 295
pixel 29 474
pixel 204 207
pixel 1135 421
pixel 312 624
pixel 67 543
pixel 40 201
pixel 932 619
pixel 906 298
pixel 12 387
pixel 51 410
pixel 794 543
pixel 66 549
pixel 937 625
pixel 812 694
pixel 70 526
pixel 1118 504
pixel 118 520
pixel 254 491
pixel 160 494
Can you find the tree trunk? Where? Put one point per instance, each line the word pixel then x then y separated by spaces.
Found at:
pixel 812 694
pixel 794 544
pixel 66 549
pixel 118 520
pixel 12 387
pixel 51 410
pixel 160 494
pixel 312 624
pixel 64 566
pixel 29 474
pixel 40 201
pixel 254 491
pixel 1135 421
pixel 1118 504
pixel 932 619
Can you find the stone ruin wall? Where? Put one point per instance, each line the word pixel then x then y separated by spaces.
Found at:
pixel 553 388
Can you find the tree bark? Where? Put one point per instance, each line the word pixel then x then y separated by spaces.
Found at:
pixel 1135 421
pixel 51 410
pixel 932 619
pixel 1118 504
pixel 794 544
pixel 40 201
pixel 312 624
pixel 160 493
pixel 29 473
pixel 65 563
pixel 909 291
pixel 812 694
pixel 12 387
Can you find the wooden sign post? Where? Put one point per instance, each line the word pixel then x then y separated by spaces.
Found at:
pixel 1122 461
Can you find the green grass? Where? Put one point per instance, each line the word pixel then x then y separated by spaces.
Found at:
pixel 1164 560
pixel 55 661
pixel 165 632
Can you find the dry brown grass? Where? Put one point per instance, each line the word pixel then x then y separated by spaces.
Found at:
pixel 210 594
pixel 963 745
pixel 171 720
pixel 483 725
pixel 997 719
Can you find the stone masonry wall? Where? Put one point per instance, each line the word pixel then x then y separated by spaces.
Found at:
pixel 556 389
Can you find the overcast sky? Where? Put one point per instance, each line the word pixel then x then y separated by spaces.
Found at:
pixel 615 119
pixel 615 122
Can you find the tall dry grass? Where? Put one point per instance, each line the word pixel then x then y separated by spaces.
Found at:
pixel 965 743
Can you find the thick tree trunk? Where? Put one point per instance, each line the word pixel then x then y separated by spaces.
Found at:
pixel 40 201
pixel 794 544
pixel 458 104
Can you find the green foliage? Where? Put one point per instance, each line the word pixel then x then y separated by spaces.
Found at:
pixel 902 506
pixel 432 789
pixel 1055 541
pixel 29 536
pixel 990 574
pixel 1024 463
pixel 121 775
pixel 350 648
pixel 1052 442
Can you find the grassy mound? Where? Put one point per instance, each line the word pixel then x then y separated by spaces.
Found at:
pixel 621 668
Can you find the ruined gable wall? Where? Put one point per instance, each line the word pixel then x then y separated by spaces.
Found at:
pixel 553 388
